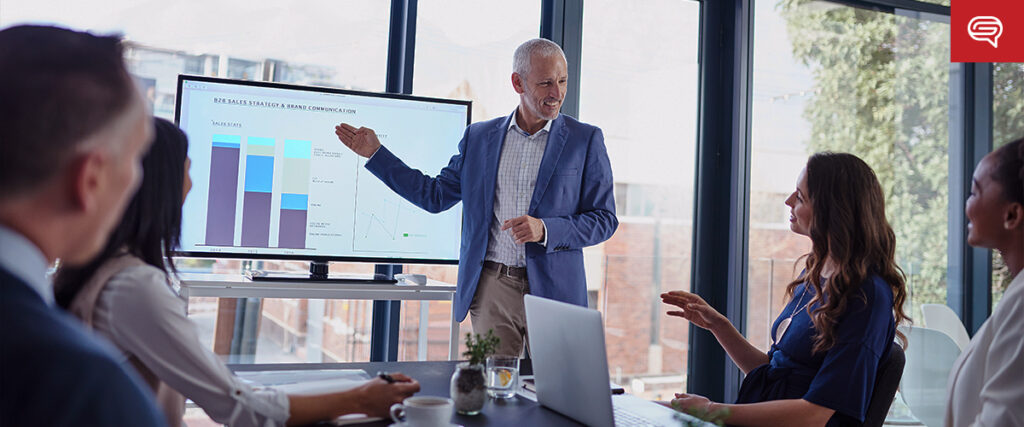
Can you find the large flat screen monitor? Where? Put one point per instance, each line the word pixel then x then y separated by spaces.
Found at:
pixel 271 180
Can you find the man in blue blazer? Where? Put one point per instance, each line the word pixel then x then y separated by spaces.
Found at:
pixel 536 187
pixel 73 129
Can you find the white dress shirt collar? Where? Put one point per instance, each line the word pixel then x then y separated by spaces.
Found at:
pixel 512 124
pixel 25 261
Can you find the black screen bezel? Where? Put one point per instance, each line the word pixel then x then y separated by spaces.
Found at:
pixel 317 258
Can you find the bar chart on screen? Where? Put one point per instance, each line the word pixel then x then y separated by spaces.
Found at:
pixel 270 177
pixel 274 193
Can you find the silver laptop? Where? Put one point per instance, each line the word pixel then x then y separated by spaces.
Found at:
pixel 570 369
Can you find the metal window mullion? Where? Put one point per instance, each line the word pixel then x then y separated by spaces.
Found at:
pixel 719 267
pixel 969 270
pixel 401 49
pixel 561 21
pixel 401 46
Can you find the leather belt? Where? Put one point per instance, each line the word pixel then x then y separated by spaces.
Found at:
pixel 502 269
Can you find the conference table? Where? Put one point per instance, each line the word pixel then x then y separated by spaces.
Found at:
pixel 434 378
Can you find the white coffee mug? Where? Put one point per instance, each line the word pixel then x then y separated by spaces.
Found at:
pixel 423 411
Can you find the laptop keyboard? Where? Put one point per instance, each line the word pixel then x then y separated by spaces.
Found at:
pixel 624 418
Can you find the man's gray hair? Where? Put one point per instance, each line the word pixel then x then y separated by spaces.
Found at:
pixel 59 88
pixel 544 47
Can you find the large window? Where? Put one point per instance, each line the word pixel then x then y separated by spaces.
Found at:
pixel 330 43
pixel 826 76
pixel 341 44
pixel 1007 126
pixel 836 78
pixel 464 51
pixel 643 95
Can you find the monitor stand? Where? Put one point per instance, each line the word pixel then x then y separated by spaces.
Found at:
pixel 317 273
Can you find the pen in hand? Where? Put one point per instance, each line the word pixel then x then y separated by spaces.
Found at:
pixel 386 377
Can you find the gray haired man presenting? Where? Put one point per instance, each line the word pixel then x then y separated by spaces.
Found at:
pixel 536 187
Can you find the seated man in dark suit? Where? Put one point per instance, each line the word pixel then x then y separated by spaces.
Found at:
pixel 73 130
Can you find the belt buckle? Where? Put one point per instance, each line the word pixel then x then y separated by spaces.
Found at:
pixel 508 271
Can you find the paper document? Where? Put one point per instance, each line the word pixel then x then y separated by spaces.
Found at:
pixel 278 378
pixel 320 381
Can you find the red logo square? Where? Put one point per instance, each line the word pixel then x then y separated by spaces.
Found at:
pixel 987 31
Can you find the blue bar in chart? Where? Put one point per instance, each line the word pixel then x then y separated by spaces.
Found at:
pixel 259 183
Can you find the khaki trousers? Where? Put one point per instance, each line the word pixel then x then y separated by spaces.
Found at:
pixel 498 305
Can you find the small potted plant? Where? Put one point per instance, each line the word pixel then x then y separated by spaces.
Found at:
pixel 468 387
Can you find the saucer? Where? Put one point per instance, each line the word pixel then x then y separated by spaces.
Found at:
pixel 406 425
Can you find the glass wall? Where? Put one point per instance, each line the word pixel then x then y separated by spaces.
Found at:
pixel 1007 126
pixel 643 96
pixel 468 55
pixel 339 44
pixel 828 77
pixel 331 43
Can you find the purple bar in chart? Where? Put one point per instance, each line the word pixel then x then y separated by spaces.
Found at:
pixel 220 214
pixel 293 229
pixel 259 182
pixel 256 219
pixel 294 194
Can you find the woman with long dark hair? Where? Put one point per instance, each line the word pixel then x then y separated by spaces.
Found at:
pixel 840 321
pixel 986 384
pixel 125 294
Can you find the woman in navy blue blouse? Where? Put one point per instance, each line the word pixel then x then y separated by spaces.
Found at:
pixel 840 322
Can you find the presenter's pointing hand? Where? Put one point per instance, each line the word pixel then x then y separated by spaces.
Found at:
pixel 525 229
pixel 363 141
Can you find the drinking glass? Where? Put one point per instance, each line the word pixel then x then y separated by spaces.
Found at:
pixel 502 376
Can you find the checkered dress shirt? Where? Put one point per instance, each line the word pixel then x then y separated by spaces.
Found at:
pixel 513 192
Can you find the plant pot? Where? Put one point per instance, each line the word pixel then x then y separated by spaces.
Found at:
pixel 468 388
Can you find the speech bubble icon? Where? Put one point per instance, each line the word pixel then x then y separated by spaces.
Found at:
pixel 986 29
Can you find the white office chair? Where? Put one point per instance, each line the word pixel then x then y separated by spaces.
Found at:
pixel 942 318
pixel 930 356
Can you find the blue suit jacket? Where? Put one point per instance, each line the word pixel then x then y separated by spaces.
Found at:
pixel 52 373
pixel 573 195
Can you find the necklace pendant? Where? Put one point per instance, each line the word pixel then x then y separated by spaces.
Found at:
pixel 781 330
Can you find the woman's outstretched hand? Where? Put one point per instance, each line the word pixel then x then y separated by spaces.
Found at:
pixel 694 309
pixel 690 402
